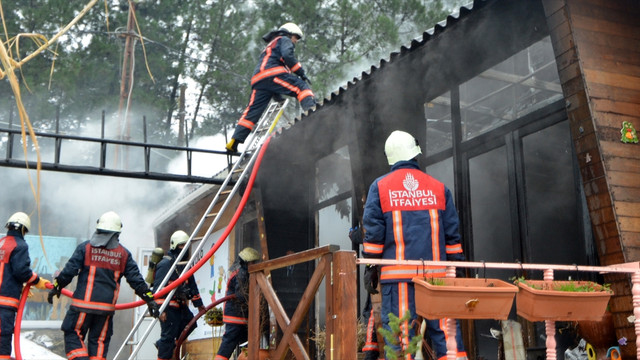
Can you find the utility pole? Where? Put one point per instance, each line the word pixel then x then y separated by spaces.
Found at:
pixel 126 82
pixel 181 132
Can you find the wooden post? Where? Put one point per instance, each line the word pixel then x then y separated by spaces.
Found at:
pixel 550 326
pixel 254 318
pixel 345 332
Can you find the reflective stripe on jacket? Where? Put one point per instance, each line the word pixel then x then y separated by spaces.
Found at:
pixel 15 268
pixel 409 215
pixel 99 271
pixel 188 290
pixel 277 58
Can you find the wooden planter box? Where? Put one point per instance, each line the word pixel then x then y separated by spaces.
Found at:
pixel 464 298
pixel 548 304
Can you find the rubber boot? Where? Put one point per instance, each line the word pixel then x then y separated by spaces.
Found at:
pixel 232 146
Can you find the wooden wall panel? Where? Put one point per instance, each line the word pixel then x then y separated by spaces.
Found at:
pixel 599 64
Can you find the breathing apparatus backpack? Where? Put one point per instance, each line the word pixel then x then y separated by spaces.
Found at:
pixel 156 255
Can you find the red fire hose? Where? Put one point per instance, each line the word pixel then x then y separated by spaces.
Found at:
pixel 189 327
pixel 16 332
pixel 174 284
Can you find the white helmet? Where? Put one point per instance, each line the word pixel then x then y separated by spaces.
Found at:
pixel 19 219
pixel 178 238
pixel 292 29
pixel 401 146
pixel 249 254
pixel 109 221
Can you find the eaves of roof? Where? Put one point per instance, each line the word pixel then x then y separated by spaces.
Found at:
pixel 416 43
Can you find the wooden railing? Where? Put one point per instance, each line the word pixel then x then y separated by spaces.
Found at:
pixel 339 269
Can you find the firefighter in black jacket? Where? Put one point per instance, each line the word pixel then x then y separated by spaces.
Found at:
pixel 15 270
pixel 236 311
pixel 99 264
pixel 277 73
pixel 176 315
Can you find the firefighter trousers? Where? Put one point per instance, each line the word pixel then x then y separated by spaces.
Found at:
pixel 234 335
pixel 261 94
pixel 7 321
pixel 170 329
pixel 96 328
pixel 397 298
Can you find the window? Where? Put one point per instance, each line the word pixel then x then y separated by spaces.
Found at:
pixel 523 83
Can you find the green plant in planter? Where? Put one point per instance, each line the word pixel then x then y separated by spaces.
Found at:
pixel 521 279
pixel 567 285
pixel 435 281
pixel 395 337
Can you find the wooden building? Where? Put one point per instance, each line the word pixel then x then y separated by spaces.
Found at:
pixel 519 109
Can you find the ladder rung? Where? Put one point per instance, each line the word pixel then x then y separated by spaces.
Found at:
pixel 211 215
pixel 198 238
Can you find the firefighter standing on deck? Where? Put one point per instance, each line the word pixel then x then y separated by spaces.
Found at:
pixel 99 264
pixel 409 215
pixel 15 270
pixel 236 311
pixel 274 76
pixel 177 315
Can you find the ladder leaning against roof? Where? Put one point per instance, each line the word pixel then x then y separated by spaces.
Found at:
pixel 243 165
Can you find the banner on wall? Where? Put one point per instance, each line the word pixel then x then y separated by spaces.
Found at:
pixel 58 250
pixel 211 279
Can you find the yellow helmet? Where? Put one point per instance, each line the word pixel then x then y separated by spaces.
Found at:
pixel 249 254
pixel 19 219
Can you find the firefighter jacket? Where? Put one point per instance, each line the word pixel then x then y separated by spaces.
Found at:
pixel 236 310
pixel 15 268
pixel 409 215
pixel 276 59
pixel 99 271
pixel 186 291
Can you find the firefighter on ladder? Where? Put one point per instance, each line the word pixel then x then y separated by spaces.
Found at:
pixel 409 215
pixel 272 77
pixel 176 315
pixel 15 270
pixel 236 311
pixel 100 263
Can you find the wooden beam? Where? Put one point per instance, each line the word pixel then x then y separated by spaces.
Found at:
pixel 293 259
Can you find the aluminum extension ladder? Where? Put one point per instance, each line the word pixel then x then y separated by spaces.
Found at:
pixel 264 127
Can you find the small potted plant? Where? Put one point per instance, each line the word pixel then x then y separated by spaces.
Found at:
pixel 463 298
pixel 395 337
pixel 561 300
pixel 213 317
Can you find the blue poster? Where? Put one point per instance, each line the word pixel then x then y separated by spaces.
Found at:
pixel 58 251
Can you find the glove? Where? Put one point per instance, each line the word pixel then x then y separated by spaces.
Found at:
pixel 355 234
pixel 57 289
pixel 42 284
pixel 154 309
pixel 305 78
pixel 371 279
